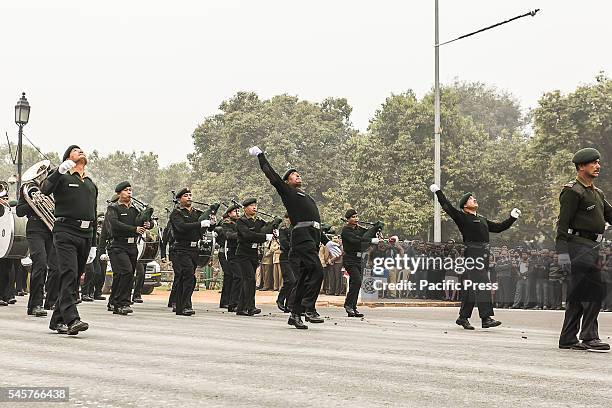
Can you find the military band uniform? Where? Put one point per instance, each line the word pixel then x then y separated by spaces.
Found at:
pixel 226 286
pixel 286 294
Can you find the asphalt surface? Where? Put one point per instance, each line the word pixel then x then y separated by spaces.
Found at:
pixel 409 357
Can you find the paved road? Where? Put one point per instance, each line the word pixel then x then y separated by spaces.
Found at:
pixel 412 357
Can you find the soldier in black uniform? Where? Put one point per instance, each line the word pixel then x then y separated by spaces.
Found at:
pixel 355 240
pixel 232 283
pixel 74 233
pixel 187 224
pixel 475 231
pixel 583 215
pixel 44 259
pixel 167 241
pixel 306 237
pixel 287 291
pixel 252 231
pixel 227 279
pixel 94 276
pixel 126 229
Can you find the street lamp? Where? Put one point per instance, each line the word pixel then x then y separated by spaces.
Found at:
pixel 22 116
pixel 437 127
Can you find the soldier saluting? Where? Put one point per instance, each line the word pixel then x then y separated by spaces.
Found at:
pixel 306 237
pixel 582 218
pixel 475 231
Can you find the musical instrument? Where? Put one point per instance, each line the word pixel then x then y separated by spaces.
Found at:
pixel 13 241
pixel 43 206
pixel 148 249
pixel 206 248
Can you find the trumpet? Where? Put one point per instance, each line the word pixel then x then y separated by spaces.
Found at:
pixel 43 206
pixel 360 221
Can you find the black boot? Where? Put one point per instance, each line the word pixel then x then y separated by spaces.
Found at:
pixel 465 323
pixel 296 320
pixel 489 322
pixel 349 311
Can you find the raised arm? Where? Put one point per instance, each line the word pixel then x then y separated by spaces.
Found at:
pixel 500 226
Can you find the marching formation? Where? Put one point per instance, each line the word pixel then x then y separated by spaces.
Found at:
pixel 66 237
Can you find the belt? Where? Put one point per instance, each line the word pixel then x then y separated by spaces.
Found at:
pixel 192 244
pixel 355 254
pixel 593 236
pixel 129 240
pixel 83 224
pixel 306 224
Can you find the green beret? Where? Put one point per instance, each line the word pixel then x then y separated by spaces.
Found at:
pixel 230 209
pixel 288 173
pixel 464 199
pixel 586 155
pixel 349 213
pixel 249 201
pixel 182 192
pixel 122 186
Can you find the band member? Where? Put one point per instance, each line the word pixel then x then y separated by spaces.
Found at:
pixel 252 231
pixel 167 241
pixel 287 291
pixel 230 233
pixel 227 239
pixel 355 240
pixel 187 223
pixel 94 274
pixel 122 219
pixel 42 253
pixel 475 231
pixel 582 219
pixel 305 237
pixel 74 232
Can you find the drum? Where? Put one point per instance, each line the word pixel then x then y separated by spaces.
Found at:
pixel 206 247
pixel 147 250
pixel 13 241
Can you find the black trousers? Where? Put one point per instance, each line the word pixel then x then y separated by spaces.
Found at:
pixel 471 297
pixel 355 279
pixel 585 294
pixel 44 263
pixel 72 251
pixel 226 289
pixel 6 266
pixel 21 276
pixel 236 287
pixel 139 279
pixel 185 263
pixel 247 268
pixel 288 282
pixel 306 266
pixel 94 276
pixel 123 261
pixel 9 291
pixel 172 297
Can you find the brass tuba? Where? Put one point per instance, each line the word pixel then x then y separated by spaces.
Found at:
pixel 43 205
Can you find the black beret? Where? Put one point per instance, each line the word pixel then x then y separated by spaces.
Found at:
pixel 349 213
pixel 288 173
pixel 182 192
pixel 464 199
pixel 586 155
pixel 249 201
pixel 122 186
pixel 68 150
pixel 230 209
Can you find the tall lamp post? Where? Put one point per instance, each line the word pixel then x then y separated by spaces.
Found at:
pixel 22 115
pixel 437 128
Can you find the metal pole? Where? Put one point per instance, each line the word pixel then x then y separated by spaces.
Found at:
pixel 19 161
pixel 437 215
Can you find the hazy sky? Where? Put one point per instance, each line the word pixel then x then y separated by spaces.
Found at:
pixel 140 75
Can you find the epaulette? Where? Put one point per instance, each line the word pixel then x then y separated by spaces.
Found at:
pixel 570 184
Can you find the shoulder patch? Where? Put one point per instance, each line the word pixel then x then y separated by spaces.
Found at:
pixel 570 184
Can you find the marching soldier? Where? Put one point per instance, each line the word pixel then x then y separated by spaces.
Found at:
pixel 125 229
pixel 252 231
pixel 305 237
pixel 355 240
pixel 94 276
pixel 288 289
pixel 74 233
pixel 582 218
pixel 187 224
pixel 231 272
pixel 475 231
pixel 42 253
pixel 227 277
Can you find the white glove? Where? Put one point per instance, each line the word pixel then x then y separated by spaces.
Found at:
pixel 104 257
pixel 564 259
pixel 205 223
pixel 434 188
pixel 269 237
pixel 515 213
pixel 334 249
pixel 254 151
pixel 92 254
pixel 375 240
pixel 65 166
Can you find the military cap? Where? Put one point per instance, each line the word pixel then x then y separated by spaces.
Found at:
pixel 586 155
pixel 349 213
pixel 122 186
pixel 288 173
pixel 182 192
pixel 68 151
pixel 230 209
pixel 464 198
pixel 249 201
